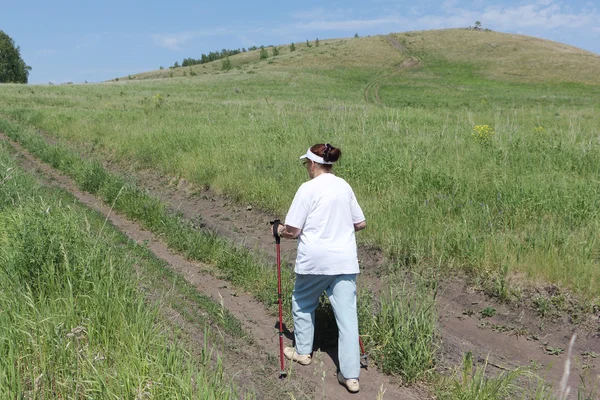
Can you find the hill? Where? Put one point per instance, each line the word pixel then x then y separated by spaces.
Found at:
pixel 488 54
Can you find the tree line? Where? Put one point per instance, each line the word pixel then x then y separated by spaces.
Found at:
pixel 213 56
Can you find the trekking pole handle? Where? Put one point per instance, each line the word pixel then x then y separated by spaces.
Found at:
pixel 276 224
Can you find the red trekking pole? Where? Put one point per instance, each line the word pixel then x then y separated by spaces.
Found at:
pixel 276 223
pixel 363 354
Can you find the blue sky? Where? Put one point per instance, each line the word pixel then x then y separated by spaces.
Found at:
pixel 81 41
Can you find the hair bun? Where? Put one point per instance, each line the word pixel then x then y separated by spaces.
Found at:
pixel 331 154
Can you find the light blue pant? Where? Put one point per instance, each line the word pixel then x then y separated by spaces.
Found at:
pixel 341 290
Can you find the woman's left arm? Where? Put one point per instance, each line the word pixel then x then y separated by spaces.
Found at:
pixel 360 226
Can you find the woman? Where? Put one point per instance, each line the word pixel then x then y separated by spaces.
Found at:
pixel 324 216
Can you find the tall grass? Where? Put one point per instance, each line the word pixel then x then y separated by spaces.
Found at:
pixel 475 382
pixel 400 325
pixel 472 382
pixel 399 330
pixel 73 322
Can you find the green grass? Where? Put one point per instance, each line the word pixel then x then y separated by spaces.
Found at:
pixel 475 382
pixel 408 351
pixel 73 320
pixel 471 382
pixel 525 203
pixel 399 330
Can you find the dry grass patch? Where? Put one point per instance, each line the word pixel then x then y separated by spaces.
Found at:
pixel 506 56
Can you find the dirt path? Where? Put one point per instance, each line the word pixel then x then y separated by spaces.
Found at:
pixel 371 91
pixel 315 381
pixel 396 44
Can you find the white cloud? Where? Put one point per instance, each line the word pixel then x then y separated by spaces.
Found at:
pixel 449 4
pixel 345 25
pixel 544 17
pixel 538 16
pixel 315 13
pixel 173 41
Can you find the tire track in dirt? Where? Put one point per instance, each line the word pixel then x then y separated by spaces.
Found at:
pixel 371 91
pixel 315 381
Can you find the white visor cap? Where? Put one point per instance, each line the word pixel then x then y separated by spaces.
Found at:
pixel 313 157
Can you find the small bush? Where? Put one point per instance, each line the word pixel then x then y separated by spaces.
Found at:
pixel 263 53
pixel 158 100
pixel 317 42
pixel 275 51
pixel 488 312
pixel 226 64
pixel 292 47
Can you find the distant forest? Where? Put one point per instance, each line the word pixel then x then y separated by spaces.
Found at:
pixel 212 56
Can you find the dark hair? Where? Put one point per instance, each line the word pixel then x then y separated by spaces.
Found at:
pixel 327 151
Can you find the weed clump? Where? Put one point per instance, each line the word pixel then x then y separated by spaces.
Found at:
pixel 400 330
pixel 483 134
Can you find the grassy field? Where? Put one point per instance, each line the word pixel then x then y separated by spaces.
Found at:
pixel 483 158
pixel 408 352
pixel 73 320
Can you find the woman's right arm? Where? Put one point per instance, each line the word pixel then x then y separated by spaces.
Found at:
pixel 289 232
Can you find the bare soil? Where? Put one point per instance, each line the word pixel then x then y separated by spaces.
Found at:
pixel 514 336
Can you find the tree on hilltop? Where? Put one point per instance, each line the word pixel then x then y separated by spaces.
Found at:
pixel 12 67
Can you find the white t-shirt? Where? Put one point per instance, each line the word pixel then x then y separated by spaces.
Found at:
pixel 325 209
